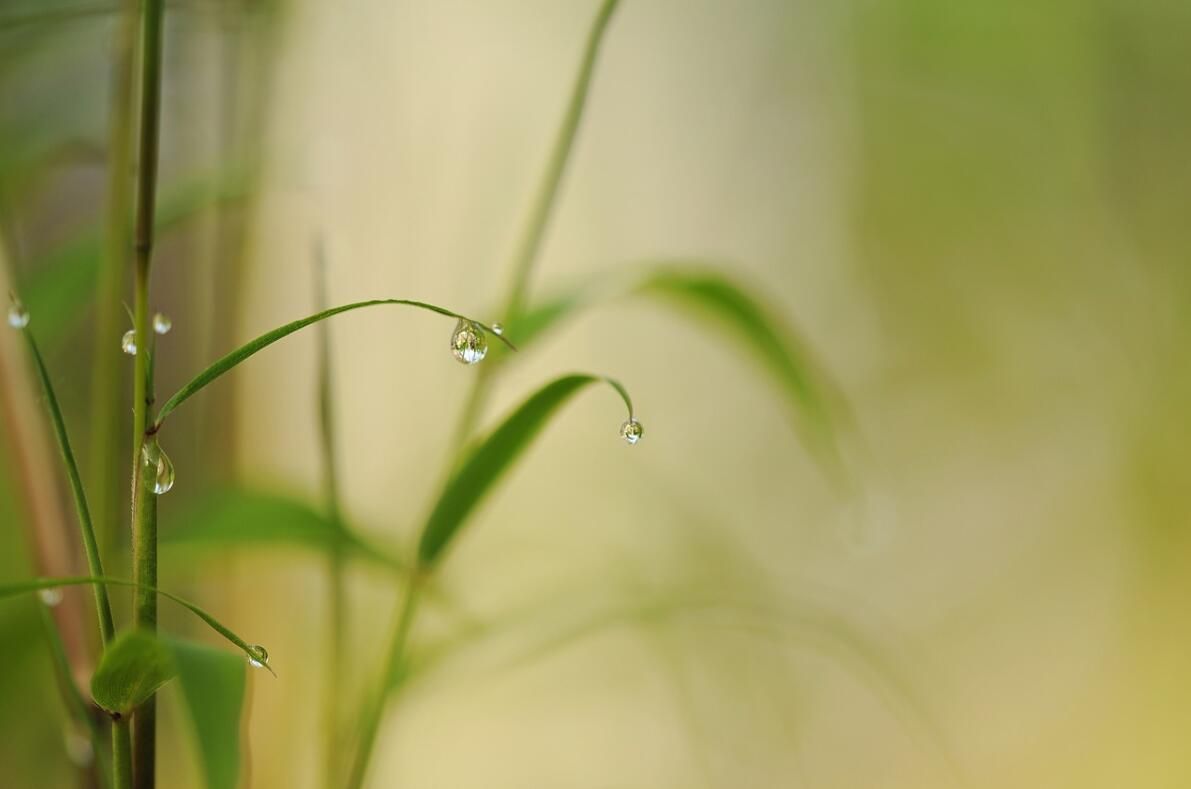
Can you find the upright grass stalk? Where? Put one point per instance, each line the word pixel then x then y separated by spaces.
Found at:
pixel 336 598
pixel 144 501
pixel 106 411
pixel 525 253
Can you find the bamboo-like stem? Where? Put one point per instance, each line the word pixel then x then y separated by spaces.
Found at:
pixel 525 253
pixel 106 410
pixel 394 662
pixel 144 513
pixel 336 602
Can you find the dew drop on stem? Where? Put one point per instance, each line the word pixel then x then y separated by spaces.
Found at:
pixel 631 431
pixel 128 342
pixel 18 316
pixel 469 343
pixel 50 597
pixel 498 329
pixel 157 472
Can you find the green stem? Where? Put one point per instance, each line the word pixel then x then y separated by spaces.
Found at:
pixel 394 663
pixel 108 360
pixel 144 515
pixel 525 254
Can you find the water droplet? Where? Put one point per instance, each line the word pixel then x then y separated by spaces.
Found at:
pixel 258 656
pixel 50 597
pixel 162 324
pixel 469 343
pixel 631 431
pixel 157 472
pixel 128 342
pixel 78 749
pixel 18 316
pixel 498 329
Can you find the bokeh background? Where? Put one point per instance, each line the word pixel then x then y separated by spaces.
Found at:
pixel 973 213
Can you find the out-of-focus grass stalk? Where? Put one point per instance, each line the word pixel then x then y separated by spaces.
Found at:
pixel 336 602
pixel 144 513
pixel 526 252
pixel 106 410
pixel 522 266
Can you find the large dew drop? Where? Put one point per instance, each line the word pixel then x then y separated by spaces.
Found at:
pixel 631 431
pixel 162 324
pixel 128 342
pixel 469 344
pixel 157 472
pixel 258 656
pixel 18 316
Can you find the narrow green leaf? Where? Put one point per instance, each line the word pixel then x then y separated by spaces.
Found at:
pixel 493 456
pixel 232 359
pixel 32 585
pixel 212 683
pixel 815 405
pixel 232 517
pixel 131 670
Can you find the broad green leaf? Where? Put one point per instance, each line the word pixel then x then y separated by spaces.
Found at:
pixel 243 517
pixel 35 584
pixel 63 283
pixel 131 670
pixel 493 456
pixel 232 359
pixel 815 404
pixel 212 683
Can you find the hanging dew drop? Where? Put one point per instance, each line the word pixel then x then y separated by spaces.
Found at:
pixel 258 656
pixel 128 342
pixel 50 597
pixel 631 431
pixel 498 329
pixel 469 344
pixel 157 472
pixel 18 316
pixel 162 324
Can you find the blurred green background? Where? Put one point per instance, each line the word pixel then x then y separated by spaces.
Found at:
pixel 974 213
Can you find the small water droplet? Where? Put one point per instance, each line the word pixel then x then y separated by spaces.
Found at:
pixel 50 596
pixel 157 472
pixel 258 657
pixel 162 324
pixel 128 342
pixel 631 431
pixel 498 329
pixel 469 344
pixel 18 316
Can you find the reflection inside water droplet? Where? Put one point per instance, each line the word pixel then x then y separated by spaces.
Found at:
pixel 631 431
pixel 469 343
pixel 18 316
pixel 50 597
pixel 157 472
pixel 258 657
pixel 162 324
pixel 128 342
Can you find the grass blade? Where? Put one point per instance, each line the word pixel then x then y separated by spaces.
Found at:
pixel 232 359
pixel 493 456
pixel 35 584
pixel 213 684
pixel 107 628
pixel 133 667
pixel 234 517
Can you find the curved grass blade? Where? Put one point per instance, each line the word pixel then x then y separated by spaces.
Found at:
pixel 229 361
pixel 241 517
pixel 493 456
pixel 33 585
pixel 131 670
pixel 212 683
pixel 107 627
pixel 816 405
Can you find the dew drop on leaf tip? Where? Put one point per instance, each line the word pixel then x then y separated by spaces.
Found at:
pixel 631 431
pixel 469 344
pixel 258 656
